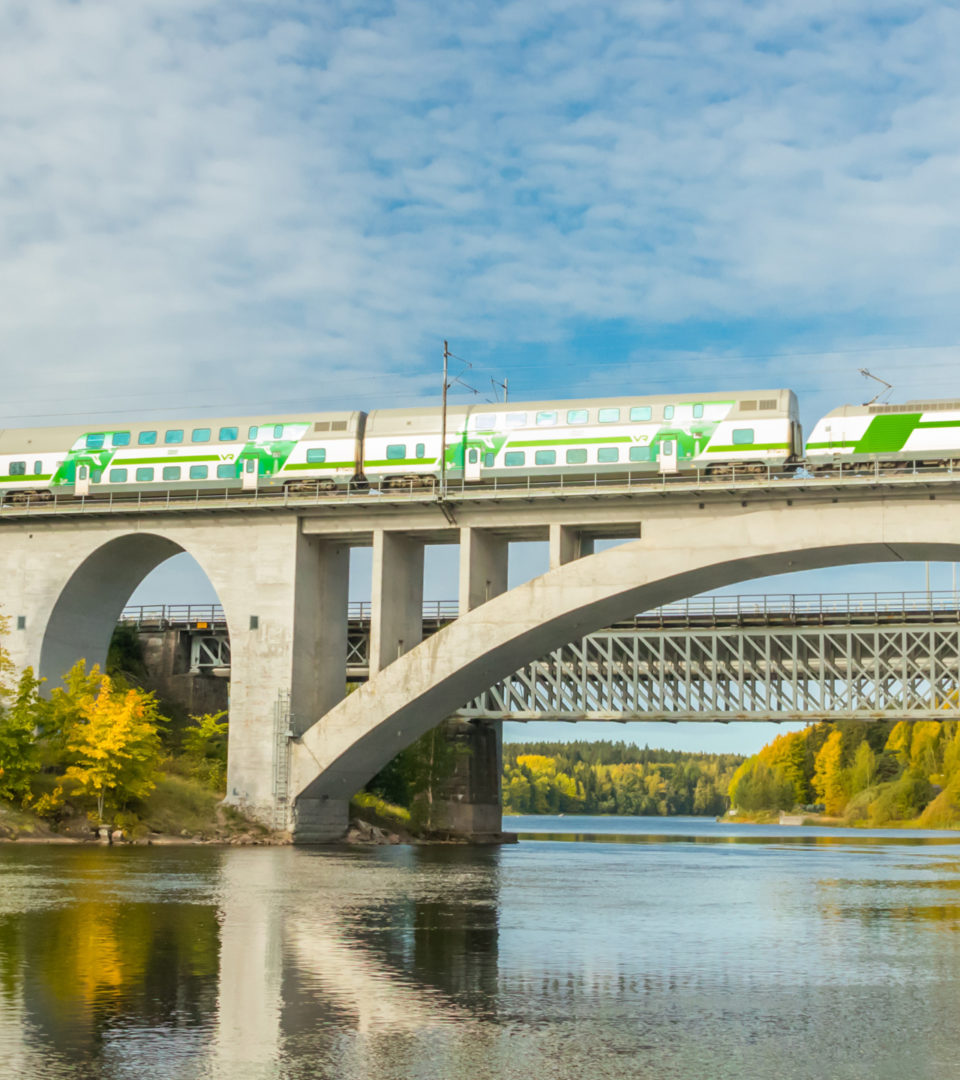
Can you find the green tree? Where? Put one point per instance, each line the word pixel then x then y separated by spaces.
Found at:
pixel 864 769
pixel 205 748
pixel 20 722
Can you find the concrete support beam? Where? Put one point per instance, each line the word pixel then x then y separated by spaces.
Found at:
pixel 469 802
pixel 483 567
pixel 319 630
pixel 567 543
pixel 396 615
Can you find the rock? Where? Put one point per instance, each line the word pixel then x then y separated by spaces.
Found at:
pixel 117 837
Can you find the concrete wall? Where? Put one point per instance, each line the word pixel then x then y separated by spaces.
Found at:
pixel 166 655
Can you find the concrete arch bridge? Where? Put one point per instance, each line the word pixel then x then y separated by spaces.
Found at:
pixel 282 581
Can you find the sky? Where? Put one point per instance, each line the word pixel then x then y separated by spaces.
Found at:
pixel 225 207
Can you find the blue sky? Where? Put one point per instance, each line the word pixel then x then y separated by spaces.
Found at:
pixel 213 206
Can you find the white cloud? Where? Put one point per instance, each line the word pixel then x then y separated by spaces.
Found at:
pixel 273 203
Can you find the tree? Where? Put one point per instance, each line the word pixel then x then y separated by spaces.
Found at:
pixel 864 769
pixel 19 748
pixel 115 745
pixel 7 670
pixel 830 780
pixel 205 747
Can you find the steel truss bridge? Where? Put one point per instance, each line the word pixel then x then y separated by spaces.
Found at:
pixel 863 656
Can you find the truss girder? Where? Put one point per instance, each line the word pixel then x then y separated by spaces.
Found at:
pixel 755 673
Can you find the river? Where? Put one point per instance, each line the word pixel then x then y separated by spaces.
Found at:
pixel 594 948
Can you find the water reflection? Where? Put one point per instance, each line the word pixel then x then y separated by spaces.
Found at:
pixel 672 958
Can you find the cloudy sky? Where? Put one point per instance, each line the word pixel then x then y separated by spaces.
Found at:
pixel 213 207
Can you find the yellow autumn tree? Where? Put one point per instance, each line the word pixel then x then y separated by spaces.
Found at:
pixel 830 779
pixel 7 670
pixel 114 746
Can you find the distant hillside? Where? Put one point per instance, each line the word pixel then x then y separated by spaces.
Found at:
pixel 613 778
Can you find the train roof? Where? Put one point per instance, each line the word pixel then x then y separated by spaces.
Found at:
pixel 426 417
pixel 878 408
pixel 48 439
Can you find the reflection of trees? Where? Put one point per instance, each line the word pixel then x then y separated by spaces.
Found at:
pixel 100 957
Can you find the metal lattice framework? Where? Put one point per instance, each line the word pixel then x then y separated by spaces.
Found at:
pixel 733 673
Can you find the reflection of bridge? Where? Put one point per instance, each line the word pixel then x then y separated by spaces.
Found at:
pixel 763 657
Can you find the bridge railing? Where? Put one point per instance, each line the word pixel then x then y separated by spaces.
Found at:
pixel 460 489
pixel 739 607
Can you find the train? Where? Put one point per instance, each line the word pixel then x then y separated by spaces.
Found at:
pixel 710 434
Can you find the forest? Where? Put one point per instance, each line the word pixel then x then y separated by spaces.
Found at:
pixel 877 773
pixel 613 778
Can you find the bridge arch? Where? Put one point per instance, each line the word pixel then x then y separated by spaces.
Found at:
pixel 91 599
pixel 676 557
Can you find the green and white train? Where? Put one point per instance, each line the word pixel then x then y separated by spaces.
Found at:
pixel 401 447
pixel 708 434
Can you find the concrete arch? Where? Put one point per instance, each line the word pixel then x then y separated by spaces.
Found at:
pixel 89 604
pixel 677 557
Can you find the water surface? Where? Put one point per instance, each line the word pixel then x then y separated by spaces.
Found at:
pixel 672 948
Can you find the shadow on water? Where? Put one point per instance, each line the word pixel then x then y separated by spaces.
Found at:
pixel 808 838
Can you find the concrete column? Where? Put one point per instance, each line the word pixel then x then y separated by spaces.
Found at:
pixel 288 635
pixel 469 803
pixel 396 617
pixel 483 567
pixel 319 630
pixel 567 543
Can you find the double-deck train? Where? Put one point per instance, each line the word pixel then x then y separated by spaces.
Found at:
pixel 709 434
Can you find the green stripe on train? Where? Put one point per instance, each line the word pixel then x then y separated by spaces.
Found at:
pixel 318 465
pixel 20 478
pixel 887 433
pixel 745 448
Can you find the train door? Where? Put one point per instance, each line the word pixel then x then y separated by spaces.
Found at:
pixel 82 483
pixel 250 474
pixel 668 456
pixel 471 466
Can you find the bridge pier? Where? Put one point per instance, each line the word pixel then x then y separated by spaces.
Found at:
pixel 396 608
pixel 469 802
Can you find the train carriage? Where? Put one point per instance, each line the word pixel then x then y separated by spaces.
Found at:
pixel 272 452
pixel 926 432
pixel 711 432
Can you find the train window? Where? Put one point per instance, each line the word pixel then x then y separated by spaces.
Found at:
pixel 396 451
pixel 484 421
pixel 229 434
pixel 577 416
pixel 668 412
pixel 546 457
pixel 171 472
pixel 198 472
pixel 253 430
pixel 422 450
pixel 608 416
pixel 96 475
pixel 512 458
pixel 120 438
pixel 278 431
pixel 697 412
pixel 641 412
pixel 316 454
pixel 18 468
pixel 227 472
pixel 546 419
pixel 118 476
pixel 576 457
pixel 147 438
pixel 144 474
pixel 488 460
pixel 200 434
pixel 742 436
pixel 640 453
pixel 95 442
pixel 606 454
pixel 175 435
pixel 37 468
pixel 516 419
